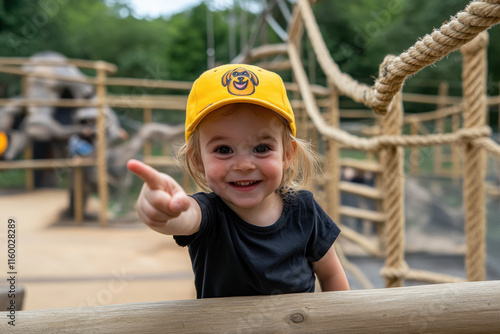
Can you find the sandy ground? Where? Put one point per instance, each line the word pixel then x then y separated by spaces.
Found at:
pixel 60 264
pixel 63 265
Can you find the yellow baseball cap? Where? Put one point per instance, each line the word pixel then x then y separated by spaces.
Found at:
pixel 4 142
pixel 237 83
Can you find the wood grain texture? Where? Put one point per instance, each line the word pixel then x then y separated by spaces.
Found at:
pixel 471 307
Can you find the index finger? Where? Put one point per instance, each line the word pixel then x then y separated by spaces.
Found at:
pixel 147 173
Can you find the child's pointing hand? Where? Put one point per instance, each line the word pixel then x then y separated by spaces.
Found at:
pixel 161 198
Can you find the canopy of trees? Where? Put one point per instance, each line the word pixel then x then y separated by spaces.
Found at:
pixel 359 34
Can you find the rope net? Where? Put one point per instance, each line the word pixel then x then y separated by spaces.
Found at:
pixel 465 31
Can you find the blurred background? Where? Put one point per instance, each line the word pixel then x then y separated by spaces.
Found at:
pixel 65 265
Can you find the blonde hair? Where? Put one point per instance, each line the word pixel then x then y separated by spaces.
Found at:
pixel 304 165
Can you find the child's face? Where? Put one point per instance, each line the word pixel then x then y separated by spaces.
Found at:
pixel 243 157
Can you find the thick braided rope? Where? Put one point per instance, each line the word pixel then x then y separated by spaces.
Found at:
pixel 344 83
pixel 395 273
pixel 376 143
pixel 427 276
pixel 478 16
pixel 348 86
pixel 489 145
pixel 393 178
pixel 474 91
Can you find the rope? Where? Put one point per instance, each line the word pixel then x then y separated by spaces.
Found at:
pixel 489 145
pixel 393 177
pixel 399 272
pixel 428 276
pixel 464 27
pixel 478 16
pixel 344 83
pixel 474 86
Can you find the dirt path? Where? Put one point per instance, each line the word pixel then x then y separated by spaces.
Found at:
pixel 62 265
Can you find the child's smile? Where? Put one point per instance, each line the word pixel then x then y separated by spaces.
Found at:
pixel 244 185
pixel 243 159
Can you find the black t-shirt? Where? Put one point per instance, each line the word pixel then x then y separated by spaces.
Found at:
pixel 231 257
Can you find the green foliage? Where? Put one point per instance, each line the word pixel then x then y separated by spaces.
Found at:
pixel 358 33
pixel 187 45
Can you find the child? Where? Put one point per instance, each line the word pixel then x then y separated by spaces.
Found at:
pixel 255 233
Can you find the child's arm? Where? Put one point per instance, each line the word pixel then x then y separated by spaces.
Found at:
pixel 331 275
pixel 162 204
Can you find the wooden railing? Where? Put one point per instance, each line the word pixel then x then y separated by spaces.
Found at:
pixel 472 307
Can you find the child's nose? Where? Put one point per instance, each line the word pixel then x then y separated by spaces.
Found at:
pixel 244 162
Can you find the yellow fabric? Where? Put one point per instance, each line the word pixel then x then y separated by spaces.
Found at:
pixel 237 83
pixel 4 142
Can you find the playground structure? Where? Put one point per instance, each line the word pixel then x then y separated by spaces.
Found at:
pixel 50 81
pixel 465 31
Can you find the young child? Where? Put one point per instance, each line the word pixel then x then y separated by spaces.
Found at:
pixel 256 232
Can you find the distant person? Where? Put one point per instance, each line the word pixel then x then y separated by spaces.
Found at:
pixel 257 232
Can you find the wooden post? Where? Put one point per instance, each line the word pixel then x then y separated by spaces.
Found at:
pixel 415 150
pixel 453 308
pixel 332 165
pixel 148 118
pixel 439 123
pixel 78 195
pixel 29 174
pixel 455 150
pixel 443 90
pixel 438 149
pixel 102 166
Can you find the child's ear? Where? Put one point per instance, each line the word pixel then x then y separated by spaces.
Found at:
pixel 290 152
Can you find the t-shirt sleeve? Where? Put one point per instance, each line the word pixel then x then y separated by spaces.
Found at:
pixel 324 232
pixel 206 213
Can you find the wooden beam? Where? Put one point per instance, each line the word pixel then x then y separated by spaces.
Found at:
pixel 47 163
pixel 111 68
pixel 374 216
pixel 431 99
pixel 361 190
pixel 471 307
pixel 366 165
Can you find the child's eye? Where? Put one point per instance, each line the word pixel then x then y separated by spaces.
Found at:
pixel 262 148
pixel 223 150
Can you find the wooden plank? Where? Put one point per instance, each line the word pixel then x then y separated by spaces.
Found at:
pixel 471 307
pixel 361 241
pixel 47 163
pixel 148 83
pixel 431 99
pixel 77 62
pixel 361 190
pixel 70 103
pixel 366 165
pixel 373 216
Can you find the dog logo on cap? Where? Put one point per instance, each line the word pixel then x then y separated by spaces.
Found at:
pixel 240 81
